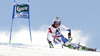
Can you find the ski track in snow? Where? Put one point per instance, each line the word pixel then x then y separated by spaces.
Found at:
pixel 33 50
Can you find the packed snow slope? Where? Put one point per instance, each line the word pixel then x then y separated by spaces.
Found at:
pixel 33 50
pixel 21 45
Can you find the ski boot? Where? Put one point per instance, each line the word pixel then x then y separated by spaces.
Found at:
pixel 70 46
pixel 84 48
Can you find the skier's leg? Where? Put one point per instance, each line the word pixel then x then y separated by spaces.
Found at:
pixel 59 41
pixel 67 43
pixel 75 46
pixel 72 45
pixel 64 39
pixel 83 48
pixel 88 49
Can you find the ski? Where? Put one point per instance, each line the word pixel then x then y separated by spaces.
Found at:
pixel 97 50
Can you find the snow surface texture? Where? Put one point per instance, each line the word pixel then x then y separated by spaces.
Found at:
pixel 21 45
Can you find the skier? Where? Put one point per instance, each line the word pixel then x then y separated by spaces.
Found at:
pixel 54 31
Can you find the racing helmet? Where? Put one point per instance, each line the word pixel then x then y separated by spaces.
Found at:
pixel 56 21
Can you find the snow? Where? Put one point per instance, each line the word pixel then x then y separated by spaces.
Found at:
pixel 21 45
pixel 32 50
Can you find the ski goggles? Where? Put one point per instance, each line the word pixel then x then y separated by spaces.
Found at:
pixel 57 22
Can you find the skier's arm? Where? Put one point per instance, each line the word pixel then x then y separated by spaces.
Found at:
pixel 69 31
pixel 69 34
pixel 48 38
pixel 50 43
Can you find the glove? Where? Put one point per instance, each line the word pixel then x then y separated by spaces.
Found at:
pixel 51 45
pixel 70 39
pixel 69 35
pixel 70 46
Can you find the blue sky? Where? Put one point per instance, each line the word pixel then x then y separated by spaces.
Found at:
pixel 81 15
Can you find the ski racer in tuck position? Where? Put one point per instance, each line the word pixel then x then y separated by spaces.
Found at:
pixel 54 31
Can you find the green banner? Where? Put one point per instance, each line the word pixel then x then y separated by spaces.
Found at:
pixel 21 8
